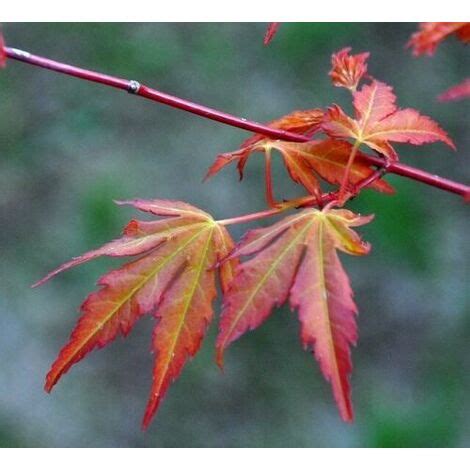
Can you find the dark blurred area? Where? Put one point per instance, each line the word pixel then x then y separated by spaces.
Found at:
pixel 68 148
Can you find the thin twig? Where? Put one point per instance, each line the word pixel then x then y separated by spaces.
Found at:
pixel 136 88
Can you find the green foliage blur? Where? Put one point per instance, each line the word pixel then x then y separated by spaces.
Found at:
pixel 68 148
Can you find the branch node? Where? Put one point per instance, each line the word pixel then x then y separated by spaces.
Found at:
pixel 133 87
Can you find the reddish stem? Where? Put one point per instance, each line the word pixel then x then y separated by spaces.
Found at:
pixel 307 201
pixel 344 183
pixel 268 176
pixel 241 219
pixel 210 113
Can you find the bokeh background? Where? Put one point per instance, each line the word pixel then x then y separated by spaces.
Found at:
pixel 69 147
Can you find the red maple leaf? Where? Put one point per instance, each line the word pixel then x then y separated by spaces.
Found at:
pixel 378 122
pixel 347 70
pixel 173 279
pixel 296 258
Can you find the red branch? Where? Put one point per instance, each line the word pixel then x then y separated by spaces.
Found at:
pixel 136 88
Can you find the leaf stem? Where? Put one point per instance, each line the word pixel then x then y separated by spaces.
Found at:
pixel 268 176
pixel 344 183
pixel 242 219
pixel 374 176
pixel 306 201
pixel 134 87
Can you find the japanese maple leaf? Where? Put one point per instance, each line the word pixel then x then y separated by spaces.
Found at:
pixel 328 159
pixel 430 35
pixel 378 122
pixel 173 278
pixel 297 258
pixel 305 122
pixel 306 162
pixel 301 121
pixel 298 168
pixel 3 55
pixel 457 92
pixel 347 70
pixel 271 32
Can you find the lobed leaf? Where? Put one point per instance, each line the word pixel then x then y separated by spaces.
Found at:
pixel 174 279
pixel 378 122
pixel 296 258
pixel 406 125
pixel 328 159
pixel 301 121
pixel 309 161
pixel 138 237
pixel 373 103
pixel 347 70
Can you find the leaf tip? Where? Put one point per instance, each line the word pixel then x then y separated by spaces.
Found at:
pixel 49 382
pixel 219 357
pixel 145 423
pixel 150 411
pixel 47 277
pixel 37 283
pixel 120 202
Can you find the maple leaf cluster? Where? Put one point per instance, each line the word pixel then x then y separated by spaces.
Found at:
pixel 180 257
pixel 174 279
pixel 336 158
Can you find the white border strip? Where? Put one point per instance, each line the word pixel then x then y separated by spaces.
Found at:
pixel 234 10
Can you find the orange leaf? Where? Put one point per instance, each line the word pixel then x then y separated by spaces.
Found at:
pixel 174 279
pixel 306 121
pixel 302 122
pixel 328 158
pixel 406 125
pixel 305 162
pixel 373 103
pixel 347 70
pixel 430 35
pixel 240 156
pixel 296 258
pixel 378 122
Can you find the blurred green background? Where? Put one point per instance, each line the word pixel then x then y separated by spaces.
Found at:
pixel 69 147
